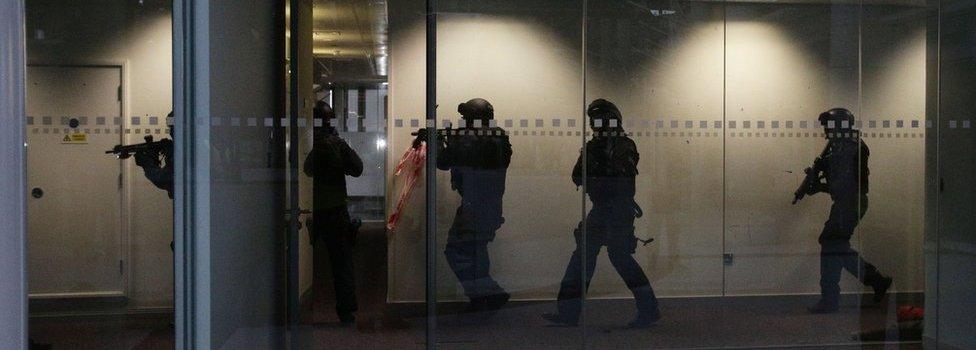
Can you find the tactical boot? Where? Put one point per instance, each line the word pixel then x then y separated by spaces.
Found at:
pixel 476 305
pixel 347 318
pixel 496 301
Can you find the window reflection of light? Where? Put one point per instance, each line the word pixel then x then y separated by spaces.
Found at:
pixel 380 144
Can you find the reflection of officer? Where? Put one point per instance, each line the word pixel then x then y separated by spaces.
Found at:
pixel 477 155
pixel 157 164
pixel 846 169
pixel 611 168
pixel 330 160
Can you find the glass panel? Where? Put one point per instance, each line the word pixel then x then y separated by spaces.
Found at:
pixel 509 87
pixel 892 124
pixel 954 283
pixel 354 260
pixel 785 65
pixel 100 227
pixel 661 65
pixel 240 183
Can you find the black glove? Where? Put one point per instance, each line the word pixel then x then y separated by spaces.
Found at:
pixel 422 136
pixel 147 159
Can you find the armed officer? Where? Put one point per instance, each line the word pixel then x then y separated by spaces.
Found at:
pixel 329 162
pixel 477 155
pixel 157 163
pixel 611 170
pixel 845 168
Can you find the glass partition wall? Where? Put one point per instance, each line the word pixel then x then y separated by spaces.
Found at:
pixel 528 174
pixel 659 151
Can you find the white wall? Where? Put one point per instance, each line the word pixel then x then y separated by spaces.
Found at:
pixel 703 195
pixel 140 37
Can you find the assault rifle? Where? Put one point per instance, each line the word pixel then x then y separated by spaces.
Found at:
pixel 813 176
pixel 126 151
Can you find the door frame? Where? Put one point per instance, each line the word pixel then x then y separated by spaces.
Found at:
pixel 13 177
pixel 192 54
pixel 125 203
pixel 191 234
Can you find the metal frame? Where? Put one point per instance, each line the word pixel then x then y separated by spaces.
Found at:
pixel 13 178
pixel 191 112
pixel 431 174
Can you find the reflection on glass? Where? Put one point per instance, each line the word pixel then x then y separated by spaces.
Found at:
pixel 100 171
pixel 329 162
pixel 607 169
pixel 477 155
pixel 844 166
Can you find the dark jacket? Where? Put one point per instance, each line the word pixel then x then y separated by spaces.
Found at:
pixel 330 160
pixel 159 172
pixel 847 169
pixel 611 170
pixel 478 162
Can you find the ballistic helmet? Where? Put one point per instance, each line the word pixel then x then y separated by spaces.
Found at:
pixel 477 109
pixel 604 115
pixel 323 111
pixel 839 119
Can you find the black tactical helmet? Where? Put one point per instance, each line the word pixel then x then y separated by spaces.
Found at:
pixel 323 111
pixel 837 119
pixel 477 109
pixel 606 112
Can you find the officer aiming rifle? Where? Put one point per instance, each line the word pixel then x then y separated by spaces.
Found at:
pixel 813 182
pixel 154 157
pixel 844 165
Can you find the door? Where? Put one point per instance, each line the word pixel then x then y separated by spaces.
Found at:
pixel 74 212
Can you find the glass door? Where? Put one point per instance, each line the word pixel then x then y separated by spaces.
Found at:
pixel 235 265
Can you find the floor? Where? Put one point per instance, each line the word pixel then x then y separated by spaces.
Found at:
pixel 687 323
pixel 699 323
pixel 749 323
pixel 139 331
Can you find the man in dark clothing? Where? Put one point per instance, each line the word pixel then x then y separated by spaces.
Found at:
pixel 157 164
pixel 329 162
pixel 845 165
pixel 477 155
pixel 611 169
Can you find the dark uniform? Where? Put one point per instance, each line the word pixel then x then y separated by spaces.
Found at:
pixel 611 170
pixel 158 166
pixel 478 159
pixel 846 170
pixel 329 162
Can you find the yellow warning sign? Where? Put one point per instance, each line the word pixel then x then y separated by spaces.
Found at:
pixel 74 139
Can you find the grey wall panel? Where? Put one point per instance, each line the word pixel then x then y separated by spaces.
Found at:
pixel 245 211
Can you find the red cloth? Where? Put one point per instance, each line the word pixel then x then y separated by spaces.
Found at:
pixel 409 169
pixel 910 313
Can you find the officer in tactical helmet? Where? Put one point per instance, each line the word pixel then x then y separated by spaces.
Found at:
pixel 329 162
pixel 477 155
pixel 845 168
pixel 611 170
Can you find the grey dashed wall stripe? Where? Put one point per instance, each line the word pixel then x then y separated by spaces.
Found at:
pixel 891 128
